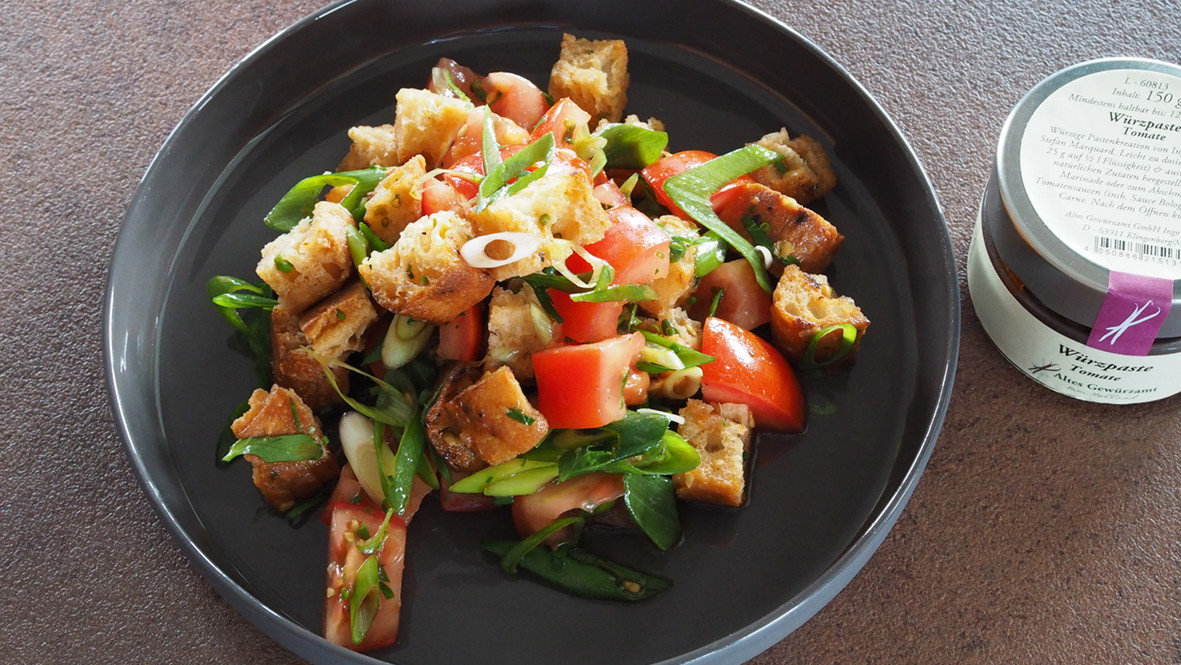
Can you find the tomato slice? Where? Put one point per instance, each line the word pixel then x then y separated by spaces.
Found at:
pixel 463 338
pixel 748 370
pixel 662 169
pixel 533 512
pixel 744 303
pixel 561 119
pixel 634 246
pixel 345 559
pixel 581 385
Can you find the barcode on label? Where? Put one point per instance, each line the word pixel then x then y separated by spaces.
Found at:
pixel 1140 248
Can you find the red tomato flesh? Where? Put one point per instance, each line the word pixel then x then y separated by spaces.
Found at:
pixel 514 97
pixel 586 321
pixel 744 303
pixel 581 385
pixel 343 561
pixel 748 370
pixel 561 119
pixel 634 246
pixel 533 512
pixel 661 170
pixel 463 338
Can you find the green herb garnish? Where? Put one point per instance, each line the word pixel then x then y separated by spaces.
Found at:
pixel 282 448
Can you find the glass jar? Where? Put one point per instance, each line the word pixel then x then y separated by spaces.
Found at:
pixel 1075 262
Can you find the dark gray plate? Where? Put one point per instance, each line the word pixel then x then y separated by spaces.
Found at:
pixel 720 75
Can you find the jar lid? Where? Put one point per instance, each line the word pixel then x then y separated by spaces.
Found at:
pixel 1088 174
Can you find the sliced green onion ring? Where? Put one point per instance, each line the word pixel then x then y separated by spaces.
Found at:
pixel 848 339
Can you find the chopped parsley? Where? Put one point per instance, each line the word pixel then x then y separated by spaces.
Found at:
pixel 520 416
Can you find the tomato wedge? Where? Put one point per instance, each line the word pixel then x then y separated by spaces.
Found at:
pixel 463 338
pixel 661 170
pixel 634 246
pixel 533 512
pixel 581 385
pixel 748 370
pixel 353 516
pixel 744 303
pixel 561 119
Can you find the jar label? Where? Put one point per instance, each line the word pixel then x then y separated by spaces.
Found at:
pixel 1101 164
pixel 1132 314
pixel 1054 360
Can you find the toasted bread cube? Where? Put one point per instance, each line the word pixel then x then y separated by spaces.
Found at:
pixel 423 276
pixel 517 327
pixel 294 367
pixel 495 419
pixel 372 146
pixel 654 124
pixel 396 200
pixel 675 286
pixel 804 173
pixel 275 413
pixel 458 454
pixel 335 326
pixel 311 260
pixel 803 305
pixel 721 435
pixel 798 232
pixel 426 123
pixel 559 208
pixel 592 73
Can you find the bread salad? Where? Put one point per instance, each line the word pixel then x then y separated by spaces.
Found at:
pixel 518 299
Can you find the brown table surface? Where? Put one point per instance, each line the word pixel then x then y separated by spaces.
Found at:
pixel 1044 530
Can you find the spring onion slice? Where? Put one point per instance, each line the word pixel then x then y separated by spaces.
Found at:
pixel 392 407
pixel 691 191
pixel 409 454
pixel 848 338
pixel 513 556
pixel 690 357
pixel 364 599
pixel 496 181
pixel 489 147
pixel 622 292
pixel 298 202
pixel 632 146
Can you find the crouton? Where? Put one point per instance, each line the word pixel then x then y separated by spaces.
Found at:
pixel 517 327
pixel 426 123
pixel 372 146
pixel 294 367
pixel 277 413
pixel 311 260
pixel 559 208
pixel 458 455
pixel 798 233
pixel 396 201
pixel 495 419
pixel 423 276
pixel 335 326
pixel 803 305
pixel 804 173
pixel 675 286
pixel 592 73
pixel 721 435
pixel 654 124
